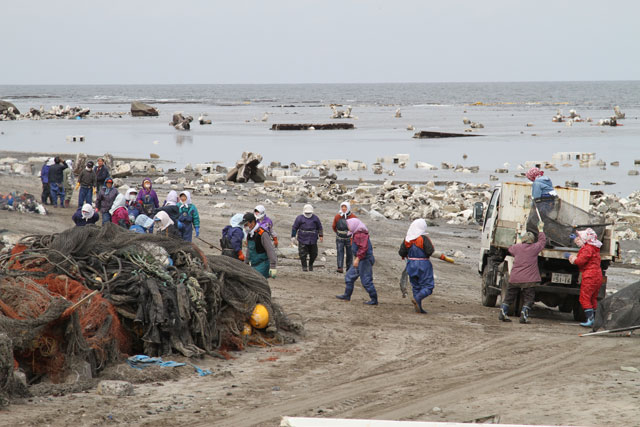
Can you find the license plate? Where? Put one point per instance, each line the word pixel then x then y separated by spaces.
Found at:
pixel 564 279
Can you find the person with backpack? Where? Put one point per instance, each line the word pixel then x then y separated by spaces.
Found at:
pixel 232 237
pixel 148 199
pixel 306 232
pixel 416 248
pixel 265 222
pixel 189 218
pixel 362 264
pixel 261 254
pixel 44 178
pixel 343 242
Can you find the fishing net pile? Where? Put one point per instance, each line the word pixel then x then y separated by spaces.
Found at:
pixel 100 293
pixel 619 310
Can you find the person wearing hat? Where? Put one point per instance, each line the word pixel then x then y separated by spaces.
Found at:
pixel 306 232
pixel 189 217
pixel 85 215
pixel 525 274
pixel 262 253
pixel 105 199
pixel 165 225
pixel 343 242
pixel 86 183
pixel 588 261
pixel 265 222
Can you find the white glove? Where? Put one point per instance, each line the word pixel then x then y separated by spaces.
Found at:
pixel 294 241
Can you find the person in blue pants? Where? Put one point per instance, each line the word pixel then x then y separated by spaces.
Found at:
pixel 416 249
pixel 189 217
pixel 362 266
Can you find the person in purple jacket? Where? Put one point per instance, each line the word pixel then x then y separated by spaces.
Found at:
pixel 525 274
pixel 306 232
pixel 148 198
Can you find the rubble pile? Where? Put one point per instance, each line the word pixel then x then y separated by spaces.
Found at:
pixel 96 294
pixel 621 211
pixel 8 111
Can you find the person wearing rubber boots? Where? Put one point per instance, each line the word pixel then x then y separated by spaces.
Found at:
pixel 265 222
pixel 262 253
pixel 525 275
pixel 416 249
pixel 189 218
pixel 306 233
pixel 232 237
pixel 588 261
pixel 362 264
pixel 343 243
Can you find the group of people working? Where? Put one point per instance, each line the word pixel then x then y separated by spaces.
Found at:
pixel 525 275
pixel 353 245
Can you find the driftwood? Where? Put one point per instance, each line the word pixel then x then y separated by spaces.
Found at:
pixel 425 134
pixel 247 169
pixel 308 126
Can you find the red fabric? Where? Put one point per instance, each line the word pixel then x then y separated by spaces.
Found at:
pixel 337 218
pixel 588 261
pixel 121 213
pixel 419 242
pixel 362 241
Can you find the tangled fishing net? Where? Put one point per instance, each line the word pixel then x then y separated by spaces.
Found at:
pixel 103 292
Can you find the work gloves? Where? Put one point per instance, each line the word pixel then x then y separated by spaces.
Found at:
pixel 272 273
pixel 540 227
pixel 275 242
pixel 240 255
pixel 197 231
pixel 294 241
pixel 77 185
pixel 180 226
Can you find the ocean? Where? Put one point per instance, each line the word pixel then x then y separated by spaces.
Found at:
pixel 236 111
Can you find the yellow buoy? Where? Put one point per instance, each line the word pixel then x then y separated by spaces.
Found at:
pixel 259 317
pixel 247 330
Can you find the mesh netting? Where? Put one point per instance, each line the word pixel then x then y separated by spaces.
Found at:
pixel 153 295
pixel 619 310
pixel 561 219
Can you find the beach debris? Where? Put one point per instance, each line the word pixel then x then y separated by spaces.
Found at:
pixel 75 138
pixel 247 169
pixel 140 109
pixel 25 203
pixel 341 114
pixel 8 111
pixel 308 126
pixel 426 134
pixel 411 127
pixel 633 172
pixel 154 156
pixel 425 165
pixel 265 117
pixel 619 114
pixel 180 122
pixel 466 121
pixel 611 121
pixel 573 155
pixel 204 121
pixel 476 125
pixel 398 114
pixel 558 118
pixel 529 125
pixel 114 388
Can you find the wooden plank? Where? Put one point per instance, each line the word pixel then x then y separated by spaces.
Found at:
pixel 426 134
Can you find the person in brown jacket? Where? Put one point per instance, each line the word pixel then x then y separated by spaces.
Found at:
pixel 343 241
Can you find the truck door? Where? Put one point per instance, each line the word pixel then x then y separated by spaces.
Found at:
pixel 488 226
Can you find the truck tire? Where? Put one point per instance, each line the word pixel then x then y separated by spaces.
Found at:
pixel 488 298
pixel 566 306
pixel 578 312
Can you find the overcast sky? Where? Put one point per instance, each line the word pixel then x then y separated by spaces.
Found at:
pixel 326 41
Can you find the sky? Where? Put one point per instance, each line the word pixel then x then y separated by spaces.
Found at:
pixel 324 41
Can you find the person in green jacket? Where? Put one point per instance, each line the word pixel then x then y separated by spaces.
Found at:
pixel 262 253
pixel 188 219
pixel 68 181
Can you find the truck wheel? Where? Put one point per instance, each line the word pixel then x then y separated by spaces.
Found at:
pixel 488 299
pixel 578 312
pixel 566 306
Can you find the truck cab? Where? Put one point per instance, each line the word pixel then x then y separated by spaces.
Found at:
pixel 506 216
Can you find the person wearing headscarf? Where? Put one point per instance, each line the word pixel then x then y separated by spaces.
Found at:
pixel 261 253
pixel 362 264
pixel 265 222
pixel 542 192
pixel 85 215
pixel 166 226
pixel 44 178
pixel 147 198
pixel 306 232
pixel 119 213
pixel 170 206
pixel 143 224
pixel 130 202
pixel 189 217
pixel 232 237
pixel 343 242
pixel 588 261
pixel 68 182
pixel 86 184
pixel 105 199
pixel 525 274
pixel 416 249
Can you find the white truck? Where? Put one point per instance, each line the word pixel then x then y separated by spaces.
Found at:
pixel 506 216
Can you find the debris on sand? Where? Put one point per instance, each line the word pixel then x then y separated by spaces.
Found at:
pixel 425 134
pixel 204 121
pixel 247 169
pixel 340 114
pixel 619 114
pixel 24 202
pixel 140 109
pixel 97 294
pixel 180 122
pixel 309 126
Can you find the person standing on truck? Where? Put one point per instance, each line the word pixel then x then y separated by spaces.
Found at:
pixel 542 191
pixel 525 275
pixel 416 249
pixel 588 261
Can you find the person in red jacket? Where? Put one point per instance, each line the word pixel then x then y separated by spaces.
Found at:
pixel 588 261
pixel 343 242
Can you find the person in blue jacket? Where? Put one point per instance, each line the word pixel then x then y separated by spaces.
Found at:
pixel 44 178
pixel 232 237
pixel 189 217
pixel 85 215
pixel 416 249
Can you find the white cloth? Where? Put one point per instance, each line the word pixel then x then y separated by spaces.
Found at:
pixel 164 220
pixel 308 209
pixel 188 201
pixel 87 211
pixel 128 194
pixel 343 214
pixel 416 229
pixel 117 203
pixel 172 198
pixel 261 212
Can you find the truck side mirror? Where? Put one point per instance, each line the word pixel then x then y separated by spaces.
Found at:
pixel 478 211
